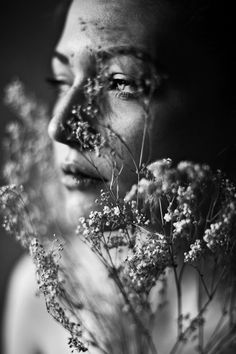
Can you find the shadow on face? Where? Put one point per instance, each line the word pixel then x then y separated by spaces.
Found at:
pixel 157 93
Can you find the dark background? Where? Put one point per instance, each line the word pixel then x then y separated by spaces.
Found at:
pixel 28 32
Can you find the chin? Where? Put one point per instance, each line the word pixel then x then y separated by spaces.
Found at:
pixel 79 204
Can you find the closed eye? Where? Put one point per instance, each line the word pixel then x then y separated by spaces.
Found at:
pixel 58 85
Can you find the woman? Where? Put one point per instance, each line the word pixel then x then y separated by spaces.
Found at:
pixel 166 74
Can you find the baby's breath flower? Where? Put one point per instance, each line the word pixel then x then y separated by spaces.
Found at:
pixel 167 217
pixel 159 167
pixel 80 131
pixel 16 218
pixel 195 252
pixel 182 227
pixel 27 145
pixel 173 214
pixel 116 211
pixel 122 216
pixel 51 285
pixel 148 260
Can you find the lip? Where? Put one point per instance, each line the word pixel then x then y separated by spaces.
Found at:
pixel 74 178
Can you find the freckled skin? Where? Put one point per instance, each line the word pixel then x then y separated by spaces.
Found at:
pixel 185 114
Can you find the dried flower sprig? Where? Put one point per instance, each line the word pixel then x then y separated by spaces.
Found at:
pixel 52 285
pixel 28 154
pixel 27 146
pixel 117 217
pixel 79 130
pixel 193 210
pixel 175 219
pixel 122 225
pixel 17 221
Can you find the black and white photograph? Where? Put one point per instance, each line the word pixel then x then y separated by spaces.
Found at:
pixel 118 177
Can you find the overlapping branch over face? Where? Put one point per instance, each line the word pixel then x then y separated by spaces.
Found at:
pixel 176 218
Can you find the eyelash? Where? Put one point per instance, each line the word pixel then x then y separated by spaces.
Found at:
pixel 56 85
pixel 116 85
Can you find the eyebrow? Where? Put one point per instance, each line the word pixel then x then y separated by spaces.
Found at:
pixel 138 53
pixel 112 51
pixel 61 57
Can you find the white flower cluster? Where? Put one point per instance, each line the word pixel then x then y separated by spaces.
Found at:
pixel 52 287
pixel 148 260
pixel 117 218
pixel 80 130
pixel 219 234
pixel 195 252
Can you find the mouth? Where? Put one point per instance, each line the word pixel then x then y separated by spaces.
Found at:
pixel 74 178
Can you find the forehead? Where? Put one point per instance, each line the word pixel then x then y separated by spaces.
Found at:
pixel 109 23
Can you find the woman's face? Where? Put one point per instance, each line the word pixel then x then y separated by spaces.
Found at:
pixel 160 96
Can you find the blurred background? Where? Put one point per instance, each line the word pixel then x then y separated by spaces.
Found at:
pixel 28 31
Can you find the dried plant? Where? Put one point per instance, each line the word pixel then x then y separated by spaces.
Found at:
pixel 175 221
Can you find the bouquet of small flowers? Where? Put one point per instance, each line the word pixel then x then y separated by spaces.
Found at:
pixel 172 238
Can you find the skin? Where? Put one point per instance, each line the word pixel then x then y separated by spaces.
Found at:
pixel 186 122
pixel 184 111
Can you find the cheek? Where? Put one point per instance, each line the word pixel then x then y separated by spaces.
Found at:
pixel 179 128
pixel 127 121
pixel 146 138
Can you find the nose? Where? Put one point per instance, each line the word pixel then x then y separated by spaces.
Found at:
pixel 61 114
pixel 62 111
pixel 83 69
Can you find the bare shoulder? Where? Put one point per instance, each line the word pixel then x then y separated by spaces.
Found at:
pixel 17 311
pixel 28 328
pixel 22 285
